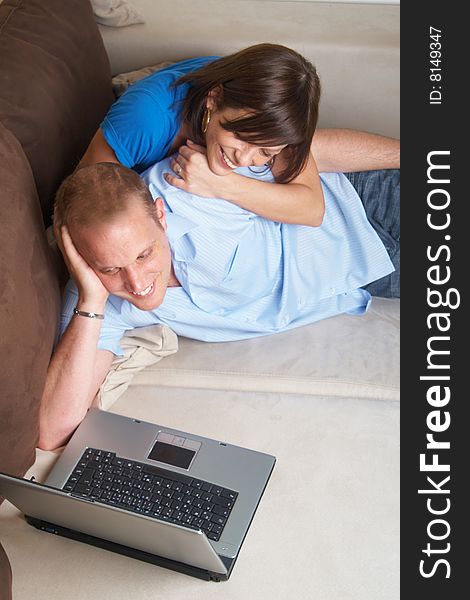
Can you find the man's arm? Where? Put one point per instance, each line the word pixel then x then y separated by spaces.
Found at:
pixel 77 367
pixel 347 150
pixel 75 373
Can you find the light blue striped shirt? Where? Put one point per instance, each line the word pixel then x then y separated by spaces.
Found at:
pixel 243 276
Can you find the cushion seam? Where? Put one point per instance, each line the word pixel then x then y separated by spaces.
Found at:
pixel 274 376
pixel 9 16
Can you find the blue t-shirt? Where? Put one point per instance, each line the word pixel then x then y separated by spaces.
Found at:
pixel 141 125
pixel 243 276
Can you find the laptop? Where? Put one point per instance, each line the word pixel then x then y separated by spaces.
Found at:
pixel 167 497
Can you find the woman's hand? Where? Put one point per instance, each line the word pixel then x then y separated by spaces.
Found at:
pixel 191 172
pixel 92 292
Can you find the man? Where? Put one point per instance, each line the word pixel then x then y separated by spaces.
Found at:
pixel 208 269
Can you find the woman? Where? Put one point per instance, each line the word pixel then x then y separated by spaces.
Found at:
pixel 257 106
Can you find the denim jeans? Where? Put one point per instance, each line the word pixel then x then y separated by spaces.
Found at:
pixel 380 195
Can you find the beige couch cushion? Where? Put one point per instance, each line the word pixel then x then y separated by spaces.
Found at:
pixel 342 356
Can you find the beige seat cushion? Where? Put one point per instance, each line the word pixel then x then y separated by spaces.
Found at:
pixel 342 356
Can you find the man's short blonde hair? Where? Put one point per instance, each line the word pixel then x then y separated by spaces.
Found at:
pixel 97 193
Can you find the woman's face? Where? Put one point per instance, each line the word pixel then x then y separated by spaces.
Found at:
pixel 225 151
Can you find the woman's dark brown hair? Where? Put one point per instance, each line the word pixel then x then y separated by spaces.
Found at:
pixel 277 86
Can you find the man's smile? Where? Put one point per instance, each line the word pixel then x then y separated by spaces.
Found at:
pixel 144 292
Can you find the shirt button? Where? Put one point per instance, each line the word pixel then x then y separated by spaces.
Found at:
pixel 332 291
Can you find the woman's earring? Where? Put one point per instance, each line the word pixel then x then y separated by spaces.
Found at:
pixel 270 163
pixel 206 117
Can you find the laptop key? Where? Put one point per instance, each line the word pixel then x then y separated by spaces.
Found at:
pixel 187 519
pixel 220 510
pixel 86 477
pixel 218 520
pixel 84 490
pixel 216 528
pixel 220 501
pixel 229 494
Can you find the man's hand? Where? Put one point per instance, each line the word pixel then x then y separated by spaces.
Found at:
pixel 91 290
pixel 193 174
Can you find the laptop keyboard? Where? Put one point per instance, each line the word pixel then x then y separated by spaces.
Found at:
pixel 152 491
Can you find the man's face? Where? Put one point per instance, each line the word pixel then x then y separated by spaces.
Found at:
pixel 130 255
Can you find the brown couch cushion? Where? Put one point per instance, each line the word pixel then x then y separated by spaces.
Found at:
pixel 29 307
pixel 55 84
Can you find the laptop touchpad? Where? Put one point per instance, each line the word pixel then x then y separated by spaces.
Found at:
pixel 174 450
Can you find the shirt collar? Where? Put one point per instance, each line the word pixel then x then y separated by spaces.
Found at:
pixel 178 226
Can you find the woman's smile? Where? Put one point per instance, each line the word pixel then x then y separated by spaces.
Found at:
pixel 226 161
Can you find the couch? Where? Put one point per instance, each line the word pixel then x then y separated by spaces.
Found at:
pixel 324 399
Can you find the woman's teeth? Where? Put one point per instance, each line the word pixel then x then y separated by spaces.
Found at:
pixel 227 161
pixel 147 290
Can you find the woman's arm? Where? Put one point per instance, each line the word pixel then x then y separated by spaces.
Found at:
pixel 98 151
pixel 347 150
pixel 300 201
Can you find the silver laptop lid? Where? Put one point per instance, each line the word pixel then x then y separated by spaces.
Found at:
pixel 177 543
